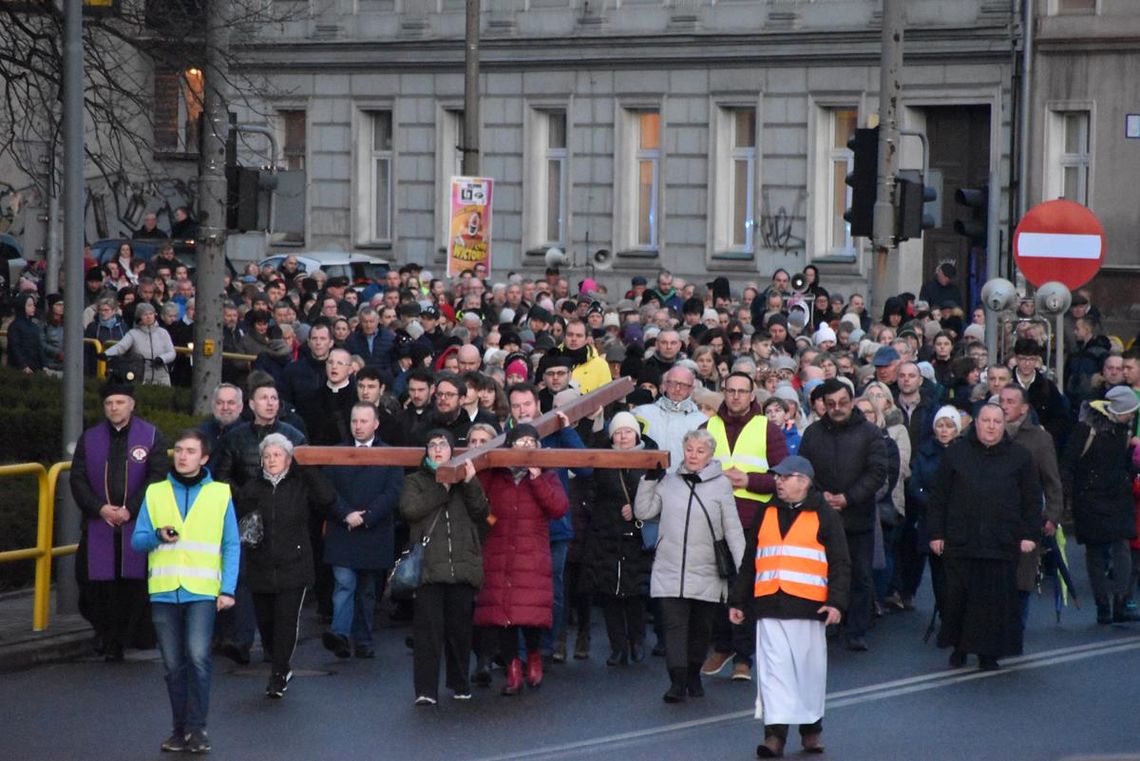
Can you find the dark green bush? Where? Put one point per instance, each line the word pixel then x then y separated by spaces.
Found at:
pixel 31 430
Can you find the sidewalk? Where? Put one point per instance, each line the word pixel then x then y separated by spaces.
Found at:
pixel 20 648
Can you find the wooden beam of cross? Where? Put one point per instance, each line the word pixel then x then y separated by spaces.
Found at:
pixel 491 455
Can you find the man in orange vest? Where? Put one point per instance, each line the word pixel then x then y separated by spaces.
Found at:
pixel 794 578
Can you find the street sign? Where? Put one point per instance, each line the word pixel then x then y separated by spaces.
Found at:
pixel 1059 240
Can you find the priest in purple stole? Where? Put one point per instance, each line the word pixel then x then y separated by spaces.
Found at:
pixel 114 463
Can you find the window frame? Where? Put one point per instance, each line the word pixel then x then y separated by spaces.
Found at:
pixel 1057 160
pixel 723 155
pixel 448 163
pixel 365 190
pixel 537 156
pixel 823 160
pixel 628 158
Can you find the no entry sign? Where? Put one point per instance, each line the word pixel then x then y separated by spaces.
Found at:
pixel 1059 240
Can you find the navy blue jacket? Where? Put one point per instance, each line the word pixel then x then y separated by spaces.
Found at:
pixel 381 353
pixel 376 490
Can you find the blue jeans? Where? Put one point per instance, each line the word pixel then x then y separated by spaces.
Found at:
pixel 354 603
pixel 558 551
pixel 184 632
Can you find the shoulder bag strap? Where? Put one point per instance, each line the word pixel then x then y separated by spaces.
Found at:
pixel 431 528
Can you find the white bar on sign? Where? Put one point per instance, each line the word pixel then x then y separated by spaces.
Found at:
pixel 1058 246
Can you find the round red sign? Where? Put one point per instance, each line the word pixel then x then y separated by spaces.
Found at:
pixel 1059 240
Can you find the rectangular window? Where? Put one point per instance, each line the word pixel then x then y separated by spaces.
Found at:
pixel 293 143
pixel 556 177
pixel 840 158
pixel 375 160
pixel 449 163
pixel 648 160
pixel 733 184
pixel 1068 148
pixel 178 104
pixel 1075 6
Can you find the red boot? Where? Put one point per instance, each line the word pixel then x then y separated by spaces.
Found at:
pixel 534 668
pixel 514 678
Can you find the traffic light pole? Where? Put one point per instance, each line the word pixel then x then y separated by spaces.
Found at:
pixel 471 91
pixel 210 275
pixel 890 90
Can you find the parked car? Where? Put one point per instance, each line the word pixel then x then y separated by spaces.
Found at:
pixel 145 249
pixel 360 269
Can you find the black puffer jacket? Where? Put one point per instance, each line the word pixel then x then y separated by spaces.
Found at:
pixel 849 459
pixel 985 500
pixel 614 561
pixel 454 555
pixel 1098 478
pixel 238 460
pixel 284 559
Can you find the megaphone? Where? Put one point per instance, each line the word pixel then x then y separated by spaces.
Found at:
pixel 798 317
pixel 603 259
pixel 799 282
pixel 1053 298
pixel 999 295
pixel 554 257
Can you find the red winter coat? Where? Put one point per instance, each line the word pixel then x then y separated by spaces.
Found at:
pixel 517 576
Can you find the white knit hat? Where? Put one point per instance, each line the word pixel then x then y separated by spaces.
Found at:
pixel 951 413
pixel 624 420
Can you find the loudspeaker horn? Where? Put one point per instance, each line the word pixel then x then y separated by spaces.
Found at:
pixel 999 295
pixel 554 257
pixel 1053 298
pixel 799 282
pixel 603 260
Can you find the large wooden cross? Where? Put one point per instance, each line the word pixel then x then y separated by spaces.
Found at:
pixel 492 455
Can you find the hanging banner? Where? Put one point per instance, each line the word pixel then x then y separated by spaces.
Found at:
pixel 469 241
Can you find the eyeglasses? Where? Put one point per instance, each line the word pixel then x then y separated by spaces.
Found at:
pixel 678 384
pixel 438 445
pixel 446 395
pixel 338 363
pixel 737 391
pixel 786 476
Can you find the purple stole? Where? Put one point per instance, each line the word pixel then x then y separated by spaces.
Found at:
pixel 100 536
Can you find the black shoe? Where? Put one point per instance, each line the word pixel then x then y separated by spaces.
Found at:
pixel 482 675
pixel 1103 611
pixel 198 742
pixel 364 652
pixel 693 681
pixel 1124 611
pixel 676 691
pixel 337 644
pixel 857 644
pixel 957 659
pixel 176 743
pixel 278 684
pixel 618 658
pixel 636 652
pixel 237 654
pixel 988 664
pixel 658 650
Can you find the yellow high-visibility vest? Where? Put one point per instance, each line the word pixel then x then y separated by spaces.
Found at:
pixel 194 562
pixel 750 455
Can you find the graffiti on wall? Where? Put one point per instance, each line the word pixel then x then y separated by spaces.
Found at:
pixel 778 226
pixel 115 209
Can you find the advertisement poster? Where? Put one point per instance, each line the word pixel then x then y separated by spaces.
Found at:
pixel 469 241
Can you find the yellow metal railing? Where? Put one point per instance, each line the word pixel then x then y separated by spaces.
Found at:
pixel 47 480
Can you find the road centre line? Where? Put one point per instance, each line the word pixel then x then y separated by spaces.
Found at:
pixel 843 698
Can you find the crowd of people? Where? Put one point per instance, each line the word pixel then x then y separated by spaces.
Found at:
pixel 820 460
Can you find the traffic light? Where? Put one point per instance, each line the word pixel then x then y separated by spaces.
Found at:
pixel 247 190
pixel 975 226
pixel 862 181
pixel 911 197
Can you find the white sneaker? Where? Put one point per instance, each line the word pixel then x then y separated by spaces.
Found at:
pixel 424 700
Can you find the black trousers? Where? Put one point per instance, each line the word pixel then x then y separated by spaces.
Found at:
pixel 781 730
pixel 625 620
pixel 861 546
pixel 738 639
pixel 688 629
pixel 1099 559
pixel 910 559
pixel 442 624
pixel 509 640
pixel 279 620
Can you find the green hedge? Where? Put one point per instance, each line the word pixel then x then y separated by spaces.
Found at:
pixel 31 430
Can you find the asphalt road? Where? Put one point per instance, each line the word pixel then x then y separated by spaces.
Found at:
pixel 1073 694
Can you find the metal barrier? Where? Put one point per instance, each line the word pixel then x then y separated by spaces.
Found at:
pixel 43 552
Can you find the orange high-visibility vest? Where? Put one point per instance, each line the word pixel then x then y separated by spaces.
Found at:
pixel 795 564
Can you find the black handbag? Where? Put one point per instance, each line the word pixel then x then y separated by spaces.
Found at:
pixel 725 565
pixel 408 570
